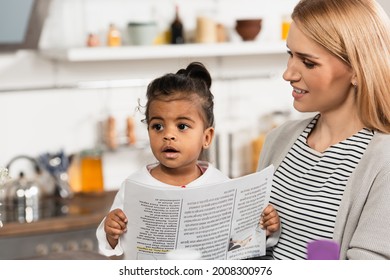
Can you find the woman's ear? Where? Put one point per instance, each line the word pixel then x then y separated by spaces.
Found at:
pixel 208 136
pixel 354 80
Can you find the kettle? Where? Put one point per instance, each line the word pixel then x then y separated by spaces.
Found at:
pixel 23 199
pixel 24 194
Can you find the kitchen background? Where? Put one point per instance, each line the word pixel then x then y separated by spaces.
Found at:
pixel 60 96
pixel 67 97
pixel 51 101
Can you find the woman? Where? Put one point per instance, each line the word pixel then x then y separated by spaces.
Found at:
pixel 332 178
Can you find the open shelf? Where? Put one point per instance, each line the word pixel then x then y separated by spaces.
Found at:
pixel 165 51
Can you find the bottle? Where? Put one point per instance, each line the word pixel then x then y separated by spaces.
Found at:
pixel 286 22
pixel 177 36
pixel 91 167
pixel 86 171
pixel 92 40
pixel 113 36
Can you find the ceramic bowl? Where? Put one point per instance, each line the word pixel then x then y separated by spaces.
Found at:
pixel 248 29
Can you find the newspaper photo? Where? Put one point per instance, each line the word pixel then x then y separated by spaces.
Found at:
pixel 221 221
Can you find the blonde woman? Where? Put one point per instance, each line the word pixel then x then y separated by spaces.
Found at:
pixel 332 178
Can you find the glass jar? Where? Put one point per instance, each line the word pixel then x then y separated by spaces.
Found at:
pixel 86 172
pixel 91 171
pixel 114 38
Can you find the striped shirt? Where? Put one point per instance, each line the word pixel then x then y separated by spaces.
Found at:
pixel 307 189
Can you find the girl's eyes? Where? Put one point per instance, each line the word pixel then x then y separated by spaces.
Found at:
pixel 182 126
pixel 157 126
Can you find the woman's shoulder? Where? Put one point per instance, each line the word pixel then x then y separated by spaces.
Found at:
pixel 380 144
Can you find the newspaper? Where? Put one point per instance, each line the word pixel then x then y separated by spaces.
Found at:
pixel 221 221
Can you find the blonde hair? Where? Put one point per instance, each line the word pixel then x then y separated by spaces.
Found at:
pixel 357 32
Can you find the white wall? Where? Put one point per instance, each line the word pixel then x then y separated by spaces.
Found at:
pixel 385 5
pixel 34 122
pixel 71 20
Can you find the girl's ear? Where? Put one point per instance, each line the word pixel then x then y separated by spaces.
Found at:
pixel 208 136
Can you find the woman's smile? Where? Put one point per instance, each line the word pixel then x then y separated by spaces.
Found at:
pixel 298 93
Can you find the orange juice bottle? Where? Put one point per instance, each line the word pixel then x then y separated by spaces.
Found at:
pixel 91 171
pixel 114 36
pixel 286 22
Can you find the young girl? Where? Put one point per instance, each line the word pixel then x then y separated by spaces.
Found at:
pixel 180 119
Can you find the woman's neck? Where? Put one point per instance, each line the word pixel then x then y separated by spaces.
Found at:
pixel 332 129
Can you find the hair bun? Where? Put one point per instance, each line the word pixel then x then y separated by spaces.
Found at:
pixel 197 70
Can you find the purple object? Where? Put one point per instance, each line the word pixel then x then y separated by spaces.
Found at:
pixel 323 250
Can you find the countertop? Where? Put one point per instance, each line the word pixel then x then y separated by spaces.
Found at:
pixel 81 211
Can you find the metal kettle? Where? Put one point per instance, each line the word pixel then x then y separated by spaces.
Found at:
pixel 24 194
pixel 23 199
